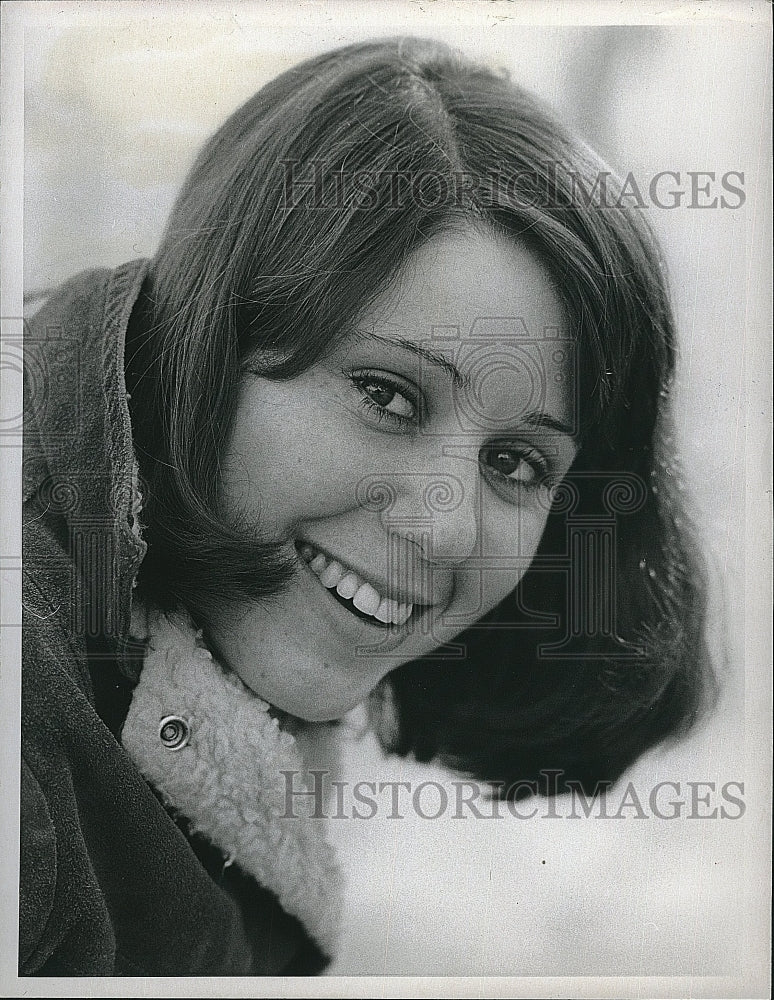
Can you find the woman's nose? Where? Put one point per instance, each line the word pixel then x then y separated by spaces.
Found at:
pixel 439 511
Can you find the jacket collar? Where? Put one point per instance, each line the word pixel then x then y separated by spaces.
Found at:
pixel 79 465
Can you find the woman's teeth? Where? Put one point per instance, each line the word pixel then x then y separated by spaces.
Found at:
pixel 348 585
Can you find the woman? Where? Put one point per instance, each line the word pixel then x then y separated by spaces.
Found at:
pixel 385 419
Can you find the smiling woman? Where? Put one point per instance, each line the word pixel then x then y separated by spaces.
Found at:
pixel 384 421
pixel 299 449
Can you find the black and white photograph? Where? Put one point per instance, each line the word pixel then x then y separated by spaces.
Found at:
pixel 386 543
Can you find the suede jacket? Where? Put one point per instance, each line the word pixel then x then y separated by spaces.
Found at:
pixel 117 877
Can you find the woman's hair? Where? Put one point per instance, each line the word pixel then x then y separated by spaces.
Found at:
pixel 300 211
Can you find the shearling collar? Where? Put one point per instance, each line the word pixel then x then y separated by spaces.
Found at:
pixel 212 750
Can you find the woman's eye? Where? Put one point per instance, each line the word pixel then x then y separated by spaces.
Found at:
pixel 386 399
pixel 519 466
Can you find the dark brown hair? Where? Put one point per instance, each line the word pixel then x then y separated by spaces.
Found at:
pixel 298 212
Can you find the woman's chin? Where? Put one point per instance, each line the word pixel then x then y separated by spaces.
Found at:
pixel 316 700
pixel 322 711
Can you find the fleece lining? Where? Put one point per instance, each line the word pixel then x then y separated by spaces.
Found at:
pixel 227 779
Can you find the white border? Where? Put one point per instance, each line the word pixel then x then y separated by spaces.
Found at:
pixel 403 15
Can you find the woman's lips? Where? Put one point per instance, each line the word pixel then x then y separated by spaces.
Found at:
pixel 358 596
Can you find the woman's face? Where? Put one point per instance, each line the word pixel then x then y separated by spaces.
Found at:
pixel 405 472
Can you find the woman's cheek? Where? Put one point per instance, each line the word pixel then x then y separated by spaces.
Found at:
pixel 287 462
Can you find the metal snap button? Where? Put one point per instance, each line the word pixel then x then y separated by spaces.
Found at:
pixel 174 732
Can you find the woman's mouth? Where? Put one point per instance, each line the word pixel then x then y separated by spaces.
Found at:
pixel 358 596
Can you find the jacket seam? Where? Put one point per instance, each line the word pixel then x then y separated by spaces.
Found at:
pixel 117 309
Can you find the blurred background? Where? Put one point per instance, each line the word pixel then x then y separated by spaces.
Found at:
pixel 119 97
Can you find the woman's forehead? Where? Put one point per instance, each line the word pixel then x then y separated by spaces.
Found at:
pixel 460 278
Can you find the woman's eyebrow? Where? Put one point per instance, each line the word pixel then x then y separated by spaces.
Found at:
pixel 436 359
pixel 536 418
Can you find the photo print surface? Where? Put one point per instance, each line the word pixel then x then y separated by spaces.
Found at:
pixel 389 482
